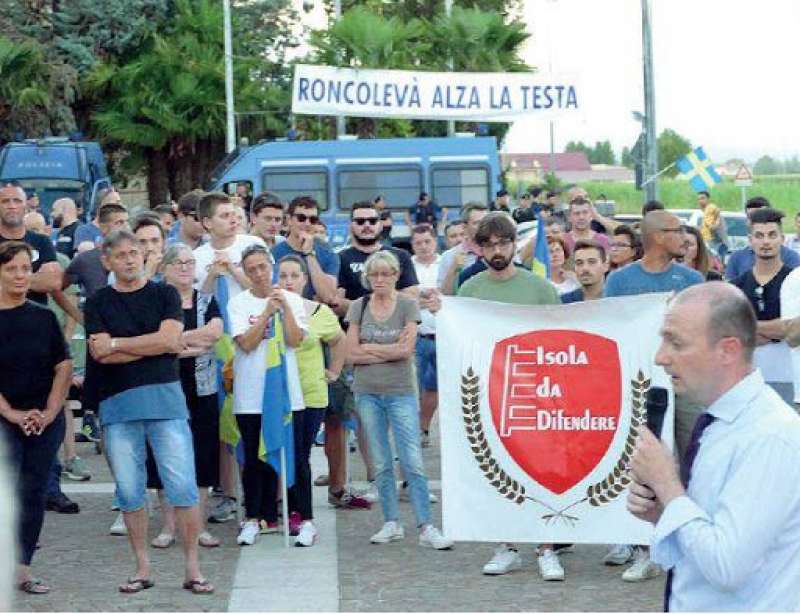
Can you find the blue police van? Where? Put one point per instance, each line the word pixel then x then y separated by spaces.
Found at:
pixel 452 170
pixel 56 167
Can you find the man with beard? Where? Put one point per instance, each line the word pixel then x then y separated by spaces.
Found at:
pixel 46 270
pixel 762 283
pixel 496 236
pixel 65 219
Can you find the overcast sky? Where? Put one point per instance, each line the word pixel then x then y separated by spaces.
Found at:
pixel 725 72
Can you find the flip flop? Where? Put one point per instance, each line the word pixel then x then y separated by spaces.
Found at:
pixel 206 540
pixel 199 587
pixel 136 585
pixel 163 540
pixel 33 587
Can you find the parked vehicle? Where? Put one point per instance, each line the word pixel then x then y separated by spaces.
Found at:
pixel 452 170
pixel 56 167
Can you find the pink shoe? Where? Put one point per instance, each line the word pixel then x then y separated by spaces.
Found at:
pixel 295 522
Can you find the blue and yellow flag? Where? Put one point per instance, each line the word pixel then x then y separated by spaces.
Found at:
pixel 697 169
pixel 541 254
pixel 225 350
pixel 276 410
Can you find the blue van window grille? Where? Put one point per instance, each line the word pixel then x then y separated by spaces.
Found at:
pixel 453 187
pixel 289 184
pixel 399 187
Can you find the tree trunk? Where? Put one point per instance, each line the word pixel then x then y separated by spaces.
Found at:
pixel 157 176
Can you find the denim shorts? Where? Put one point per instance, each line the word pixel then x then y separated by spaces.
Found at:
pixel 426 363
pixel 171 443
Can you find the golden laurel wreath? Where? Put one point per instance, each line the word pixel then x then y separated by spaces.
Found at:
pixel 601 493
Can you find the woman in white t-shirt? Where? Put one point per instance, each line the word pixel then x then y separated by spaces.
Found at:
pixel 563 279
pixel 251 316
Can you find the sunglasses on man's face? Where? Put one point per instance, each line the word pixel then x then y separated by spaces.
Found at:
pixel 360 221
pixel 303 218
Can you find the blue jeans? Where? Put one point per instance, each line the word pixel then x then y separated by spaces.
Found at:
pixel 426 363
pixel 171 442
pixel 400 411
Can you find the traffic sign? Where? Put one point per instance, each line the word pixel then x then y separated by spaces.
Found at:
pixel 743 178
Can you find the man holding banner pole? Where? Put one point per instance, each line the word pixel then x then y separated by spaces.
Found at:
pixel 726 523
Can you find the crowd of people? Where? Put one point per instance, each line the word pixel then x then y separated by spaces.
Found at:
pixel 168 312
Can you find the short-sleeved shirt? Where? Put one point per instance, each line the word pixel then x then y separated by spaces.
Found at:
pixel 188 366
pixel 328 262
pixel 766 299
pixel 632 279
pixel 523 288
pixel 323 327
pixel 352 262
pixel 31 345
pixel 148 388
pixel 249 368
pixel 87 270
pixel 470 257
pixel 742 260
pixel 88 233
pixel 427 214
pixel 397 376
pixel 43 252
pixel 65 239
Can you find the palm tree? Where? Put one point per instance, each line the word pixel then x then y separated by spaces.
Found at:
pixel 24 80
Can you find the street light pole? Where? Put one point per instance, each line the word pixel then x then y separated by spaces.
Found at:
pixel 448 10
pixel 651 148
pixel 230 121
pixel 341 120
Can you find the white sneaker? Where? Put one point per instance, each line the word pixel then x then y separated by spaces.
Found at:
pixel 402 494
pixel 308 534
pixel 370 493
pixel 118 528
pixel 431 537
pixel 619 554
pixel 504 560
pixel 390 532
pixel 549 566
pixel 249 533
pixel 642 569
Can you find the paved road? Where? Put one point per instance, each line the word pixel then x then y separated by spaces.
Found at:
pixel 343 571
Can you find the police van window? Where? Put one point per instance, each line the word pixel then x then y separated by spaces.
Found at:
pixel 452 187
pixel 288 185
pixel 400 187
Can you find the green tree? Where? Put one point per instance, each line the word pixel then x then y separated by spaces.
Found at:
pixel 791 165
pixel 602 153
pixel 167 104
pixel 767 165
pixel 626 159
pixel 24 82
pixel 671 147
pixel 573 146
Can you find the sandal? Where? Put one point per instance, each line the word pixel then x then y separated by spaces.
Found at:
pixel 33 587
pixel 135 585
pixel 199 587
pixel 206 540
pixel 164 540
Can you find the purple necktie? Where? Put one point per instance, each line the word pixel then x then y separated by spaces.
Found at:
pixel 703 421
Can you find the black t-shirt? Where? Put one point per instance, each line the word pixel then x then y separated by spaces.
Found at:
pixel 31 345
pixel 766 299
pixel 87 270
pixel 352 262
pixel 425 214
pixel 43 252
pixel 188 365
pixel 132 314
pixel 65 242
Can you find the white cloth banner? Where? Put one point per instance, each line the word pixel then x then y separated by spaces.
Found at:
pixel 539 408
pixel 487 97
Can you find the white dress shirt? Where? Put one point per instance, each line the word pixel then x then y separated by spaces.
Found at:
pixel 427 275
pixel 734 538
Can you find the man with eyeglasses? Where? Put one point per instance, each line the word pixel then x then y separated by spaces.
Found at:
pixel 762 283
pixel 321 262
pixel 663 241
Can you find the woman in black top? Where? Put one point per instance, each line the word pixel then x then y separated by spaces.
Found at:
pixel 202 327
pixel 35 374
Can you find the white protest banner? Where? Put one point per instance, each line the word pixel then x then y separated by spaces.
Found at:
pixel 488 97
pixel 539 409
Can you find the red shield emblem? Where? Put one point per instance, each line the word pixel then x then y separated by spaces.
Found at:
pixel 556 398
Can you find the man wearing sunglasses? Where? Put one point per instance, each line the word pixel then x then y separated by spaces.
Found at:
pixel 762 283
pixel 190 231
pixel 322 263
